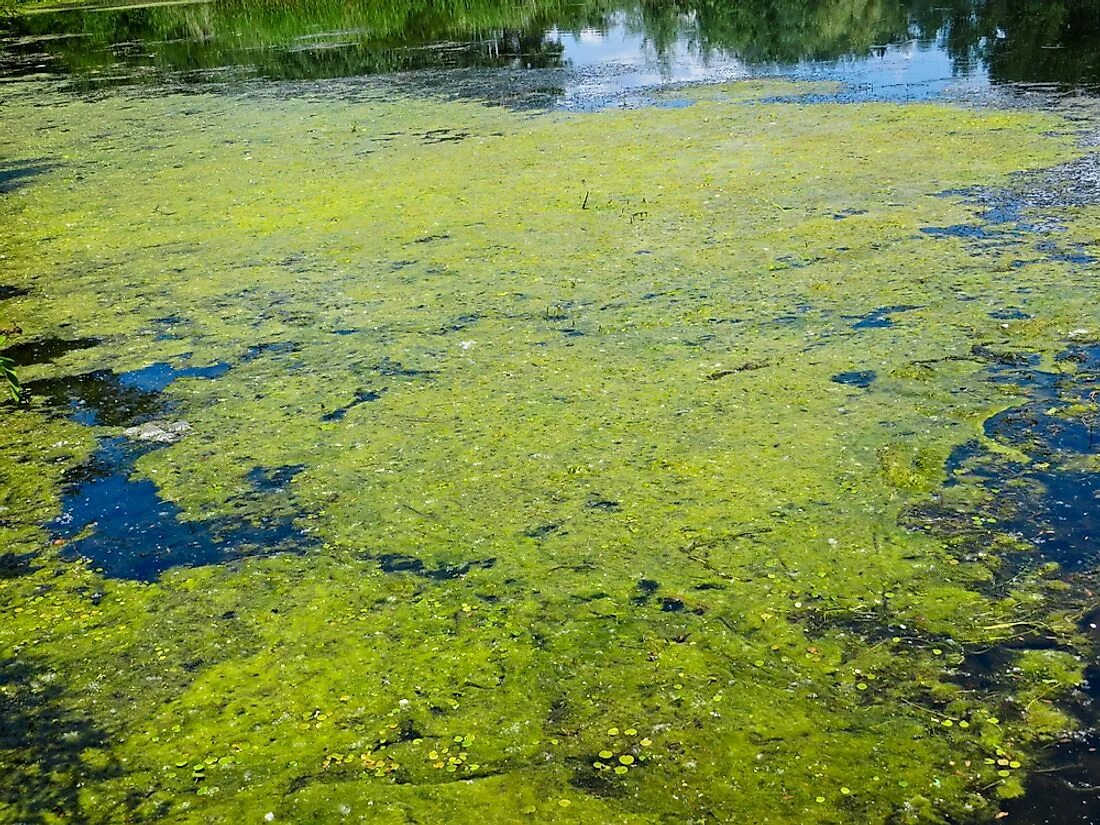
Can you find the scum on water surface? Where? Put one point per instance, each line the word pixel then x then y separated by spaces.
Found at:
pixel 591 532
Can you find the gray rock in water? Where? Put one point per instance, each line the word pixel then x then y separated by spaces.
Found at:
pixel 158 432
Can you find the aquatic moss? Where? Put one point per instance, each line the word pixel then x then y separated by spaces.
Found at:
pixel 574 354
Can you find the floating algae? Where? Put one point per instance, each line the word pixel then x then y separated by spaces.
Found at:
pixel 526 540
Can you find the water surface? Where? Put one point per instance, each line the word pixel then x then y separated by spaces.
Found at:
pixel 565 441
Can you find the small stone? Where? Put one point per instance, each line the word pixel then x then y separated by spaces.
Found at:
pixel 158 432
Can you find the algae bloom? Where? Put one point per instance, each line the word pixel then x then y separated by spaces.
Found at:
pixel 392 455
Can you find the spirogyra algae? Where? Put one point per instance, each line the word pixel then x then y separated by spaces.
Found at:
pixel 594 545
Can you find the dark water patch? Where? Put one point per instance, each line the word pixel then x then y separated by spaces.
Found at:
pixel 992 670
pixel 857 378
pixel 596 781
pixel 1044 432
pixel 7 291
pixel 401 563
pixel 122 525
pixel 645 590
pixel 872 623
pixel 273 479
pixel 13 565
pixel 45 350
pixel 1009 314
pixel 1086 356
pixel 166 327
pixel 1065 790
pixel 361 397
pixel 1046 508
pixel 1077 255
pixel 1004 358
pixel 882 317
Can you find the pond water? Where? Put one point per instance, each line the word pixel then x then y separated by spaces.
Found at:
pixel 550 412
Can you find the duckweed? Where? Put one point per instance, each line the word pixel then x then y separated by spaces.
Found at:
pixel 544 400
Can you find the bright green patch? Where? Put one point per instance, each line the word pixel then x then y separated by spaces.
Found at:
pixel 603 348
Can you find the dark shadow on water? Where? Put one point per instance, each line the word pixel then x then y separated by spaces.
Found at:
pixel 882 317
pixel 273 479
pixel 109 399
pixel 45 749
pixel 401 563
pixel 95 398
pixel 7 291
pixel 45 350
pixel 13 565
pixel 14 176
pixel 361 397
pixel 857 378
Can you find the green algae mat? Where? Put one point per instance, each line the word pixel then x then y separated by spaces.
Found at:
pixel 689 464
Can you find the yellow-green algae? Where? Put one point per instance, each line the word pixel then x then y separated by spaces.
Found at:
pixel 603 346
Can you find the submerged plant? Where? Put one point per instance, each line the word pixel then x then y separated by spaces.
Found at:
pixel 8 377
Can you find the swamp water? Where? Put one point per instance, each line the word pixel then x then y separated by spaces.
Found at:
pixel 566 445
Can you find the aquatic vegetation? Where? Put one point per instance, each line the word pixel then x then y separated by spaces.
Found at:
pixel 8 376
pixel 610 505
